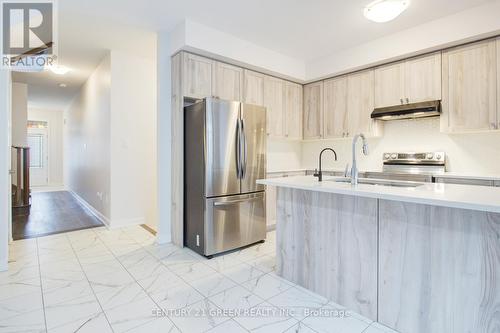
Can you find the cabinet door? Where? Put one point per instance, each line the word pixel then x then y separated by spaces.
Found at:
pixel 469 87
pixel 360 103
pixel 423 78
pixel 389 87
pixel 253 88
pixel 335 107
pixel 228 82
pixel 313 110
pixel 293 110
pixel 274 102
pixel 197 76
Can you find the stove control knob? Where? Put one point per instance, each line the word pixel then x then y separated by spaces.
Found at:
pixel 430 156
pixel 387 156
pixel 438 156
pixel 394 156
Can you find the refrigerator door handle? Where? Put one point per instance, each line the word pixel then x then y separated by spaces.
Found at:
pixel 244 150
pixel 238 149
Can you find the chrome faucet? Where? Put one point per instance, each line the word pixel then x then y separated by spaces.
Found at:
pixel 354 168
pixel 319 174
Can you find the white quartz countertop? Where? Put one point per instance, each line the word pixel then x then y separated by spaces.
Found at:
pixel 482 198
pixel 462 175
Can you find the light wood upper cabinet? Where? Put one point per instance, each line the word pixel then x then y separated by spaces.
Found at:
pixel 274 102
pixel 360 103
pixel 227 82
pixel 253 88
pixel 197 76
pixel 470 88
pixel 389 85
pixel 293 110
pixel 423 78
pixel 410 81
pixel 335 107
pixel 313 110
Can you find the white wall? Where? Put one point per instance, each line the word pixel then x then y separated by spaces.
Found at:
pixel 133 140
pixel 283 155
pixel 54 118
pixel 471 24
pixel 19 114
pixel 210 42
pixel 164 137
pixel 87 140
pixel 5 183
pixel 474 153
pixel 19 121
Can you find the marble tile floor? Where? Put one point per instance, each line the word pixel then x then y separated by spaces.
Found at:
pixel 100 280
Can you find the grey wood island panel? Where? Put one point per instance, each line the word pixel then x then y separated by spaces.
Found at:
pixel 439 269
pixel 327 243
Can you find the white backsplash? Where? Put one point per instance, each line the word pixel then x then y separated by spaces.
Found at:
pixel 284 155
pixel 476 153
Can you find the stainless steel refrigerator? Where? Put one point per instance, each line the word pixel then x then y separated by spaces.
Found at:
pixel 224 155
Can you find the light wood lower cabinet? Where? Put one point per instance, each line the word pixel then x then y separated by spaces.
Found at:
pixel 271 195
pixel 470 88
pixel 313 110
pixel 327 243
pixel 439 269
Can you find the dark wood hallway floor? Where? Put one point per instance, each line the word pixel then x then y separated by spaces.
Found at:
pixel 51 213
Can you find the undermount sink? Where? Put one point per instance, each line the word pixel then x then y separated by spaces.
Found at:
pixel 379 182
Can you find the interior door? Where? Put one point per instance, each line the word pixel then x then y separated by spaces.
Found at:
pixel 221 148
pixel 254 147
pixel 39 157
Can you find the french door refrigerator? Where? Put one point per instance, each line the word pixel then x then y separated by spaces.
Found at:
pixel 224 155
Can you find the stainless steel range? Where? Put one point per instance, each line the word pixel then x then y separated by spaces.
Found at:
pixel 411 166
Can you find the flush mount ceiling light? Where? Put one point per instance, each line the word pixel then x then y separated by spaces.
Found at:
pixel 63 85
pixel 59 70
pixel 385 10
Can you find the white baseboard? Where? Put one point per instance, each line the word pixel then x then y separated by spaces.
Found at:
pixel 91 209
pixel 48 188
pixel 110 224
pixel 116 224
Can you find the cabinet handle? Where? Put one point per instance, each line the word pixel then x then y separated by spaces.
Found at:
pixel 407 100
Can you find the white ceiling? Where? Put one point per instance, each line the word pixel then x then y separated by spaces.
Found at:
pixel 305 30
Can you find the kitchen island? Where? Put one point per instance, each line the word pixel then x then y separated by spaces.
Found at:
pixel 417 259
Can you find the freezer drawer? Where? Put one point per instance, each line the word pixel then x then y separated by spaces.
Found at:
pixel 233 222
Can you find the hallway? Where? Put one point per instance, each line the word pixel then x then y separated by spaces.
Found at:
pixel 52 213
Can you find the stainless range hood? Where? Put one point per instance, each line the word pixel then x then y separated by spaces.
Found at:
pixel 408 111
